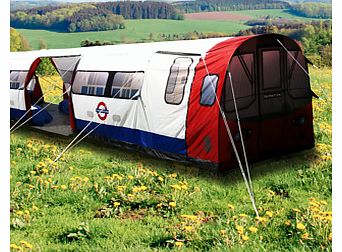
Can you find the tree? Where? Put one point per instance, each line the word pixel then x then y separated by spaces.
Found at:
pixel 17 41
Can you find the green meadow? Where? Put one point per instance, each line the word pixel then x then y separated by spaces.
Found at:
pixel 136 31
pixel 103 198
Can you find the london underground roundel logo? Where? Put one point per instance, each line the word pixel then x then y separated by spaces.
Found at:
pixel 102 111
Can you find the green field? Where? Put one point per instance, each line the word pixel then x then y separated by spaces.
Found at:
pixel 102 198
pixel 136 30
pixel 275 13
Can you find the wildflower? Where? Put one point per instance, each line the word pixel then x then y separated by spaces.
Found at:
pixel 31 186
pixel 253 229
pixel 160 179
pixel 49 180
pixel 116 204
pixel 300 226
pixel 305 236
pixel 191 217
pixel 63 187
pixel 159 205
pixel 130 195
pixel 184 187
pixel 188 228
pixel 230 206
pixel 116 176
pixel 179 244
pixel 143 188
pixel 330 237
pixel 223 232
pixel 269 214
pixel 243 215
pixel 176 187
pixel 85 179
pixel 14 163
pixel 20 213
pixel 296 210
pixel 120 188
pixel 29 145
pixel 14 246
pixel 261 219
pixel 323 202
pixel 34 208
pixel 130 177
pixel 33 172
pixel 172 204
pixel 245 237
pixel 240 229
pixel 173 175
pixel 27 212
pixel 71 168
pixel 45 170
pixel 288 223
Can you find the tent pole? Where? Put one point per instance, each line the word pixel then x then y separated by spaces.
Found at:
pixel 233 145
pixel 241 135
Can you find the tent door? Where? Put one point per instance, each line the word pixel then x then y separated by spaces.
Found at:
pixel 271 100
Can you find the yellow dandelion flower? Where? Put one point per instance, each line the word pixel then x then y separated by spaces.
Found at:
pixel 269 214
pixel 64 187
pixel 243 215
pixel 184 187
pixel 223 232
pixel 261 219
pixel 179 244
pixel 20 213
pixel 143 188
pixel 130 195
pixel 288 223
pixel 130 177
pixel 116 204
pixel 253 229
pixel 305 236
pixel 159 205
pixel 27 212
pixel 188 228
pixel 49 179
pixel 14 246
pixel 71 168
pixel 29 145
pixel 300 226
pixel 330 237
pixel 230 206
pixel 245 237
pixel 296 210
pixel 173 175
pixel 176 187
pixel 85 179
pixel 172 204
pixel 160 179
pixel 240 229
pixel 45 170
pixel 34 208
pixel 33 172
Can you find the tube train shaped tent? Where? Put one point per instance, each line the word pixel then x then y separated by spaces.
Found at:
pixel 168 98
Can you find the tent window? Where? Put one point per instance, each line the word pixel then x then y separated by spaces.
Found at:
pixel 208 90
pixel 177 79
pixel 298 82
pixel 90 83
pixel 271 69
pixel 241 68
pixel 127 85
pixel 17 79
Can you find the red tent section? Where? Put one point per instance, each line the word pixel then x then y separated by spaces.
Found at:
pixel 274 106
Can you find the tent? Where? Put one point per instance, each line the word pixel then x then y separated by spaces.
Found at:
pixel 176 99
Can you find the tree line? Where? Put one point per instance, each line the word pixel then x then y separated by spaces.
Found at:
pixel 229 5
pixel 91 16
pixel 312 10
pixel 315 38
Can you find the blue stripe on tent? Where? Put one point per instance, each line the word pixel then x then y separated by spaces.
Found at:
pixel 135 136
pixel 15 114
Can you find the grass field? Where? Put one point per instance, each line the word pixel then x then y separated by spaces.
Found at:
pixel 101 198
pixel 136 31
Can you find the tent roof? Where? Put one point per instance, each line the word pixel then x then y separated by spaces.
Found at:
pixel 115 57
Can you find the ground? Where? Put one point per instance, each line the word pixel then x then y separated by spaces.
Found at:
pixel 102 198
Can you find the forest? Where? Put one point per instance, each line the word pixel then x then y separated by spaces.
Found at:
pixel 91 16
pixel 312 10
pixel 230 5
